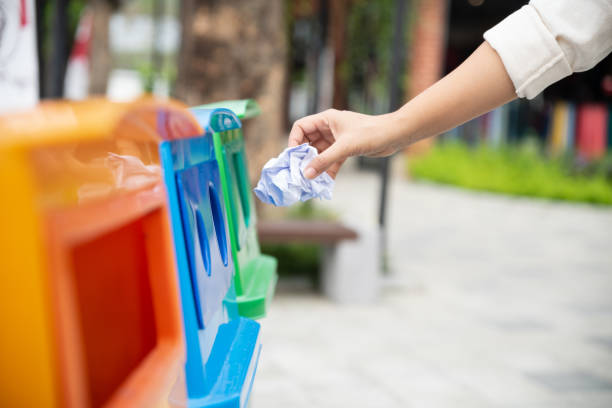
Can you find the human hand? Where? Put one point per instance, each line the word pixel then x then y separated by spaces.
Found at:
pixel 338 135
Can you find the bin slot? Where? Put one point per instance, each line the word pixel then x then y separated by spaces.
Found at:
pixel 218 221
pixel 192 221
pixel 205 238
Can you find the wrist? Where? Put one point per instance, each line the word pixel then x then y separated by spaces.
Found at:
pixel 399 127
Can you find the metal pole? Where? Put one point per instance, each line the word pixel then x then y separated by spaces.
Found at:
pixel 59 51
pixel 40 4
pixel 395 101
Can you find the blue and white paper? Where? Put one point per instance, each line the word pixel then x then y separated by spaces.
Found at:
pixel 282 181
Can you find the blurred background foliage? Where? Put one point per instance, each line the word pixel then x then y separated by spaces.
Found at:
pixel 74 11
pixel 520 170
pixel 366 68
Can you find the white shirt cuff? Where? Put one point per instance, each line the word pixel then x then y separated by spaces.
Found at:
pixel 531 55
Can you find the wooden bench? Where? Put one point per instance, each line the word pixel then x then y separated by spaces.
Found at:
pixel 350 264
pixel 315 232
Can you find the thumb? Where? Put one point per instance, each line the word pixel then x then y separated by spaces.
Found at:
pixel 334 153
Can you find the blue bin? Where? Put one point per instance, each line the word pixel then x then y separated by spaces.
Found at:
pixel 222 347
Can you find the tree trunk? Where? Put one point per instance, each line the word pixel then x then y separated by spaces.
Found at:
pixel 100 57
pixel 236 49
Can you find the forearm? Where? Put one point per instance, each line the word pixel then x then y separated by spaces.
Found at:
pixel 477 86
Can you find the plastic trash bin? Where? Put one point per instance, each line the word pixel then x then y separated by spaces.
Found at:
pixel 89 299
pixel 222 347
pixel 256 276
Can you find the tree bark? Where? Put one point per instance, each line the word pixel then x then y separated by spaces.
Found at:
pixel 236 49
pixel 100 61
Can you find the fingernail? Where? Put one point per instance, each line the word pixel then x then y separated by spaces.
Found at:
pixel 310 173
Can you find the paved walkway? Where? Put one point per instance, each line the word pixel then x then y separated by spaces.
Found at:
pixel 496 302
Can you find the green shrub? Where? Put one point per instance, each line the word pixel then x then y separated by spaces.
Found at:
pixel 520 170
pixel 296 259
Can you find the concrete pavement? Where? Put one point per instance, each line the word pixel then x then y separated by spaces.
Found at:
pixel 493 302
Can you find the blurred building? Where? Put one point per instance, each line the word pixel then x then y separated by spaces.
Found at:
pixel 344 47
pixel 569 116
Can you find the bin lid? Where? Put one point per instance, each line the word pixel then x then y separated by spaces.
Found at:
pixel 243 108
pixel 216 119
pixel 146 119
pixel 88 150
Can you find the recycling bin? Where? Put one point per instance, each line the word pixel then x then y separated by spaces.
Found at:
pixel 89 301
pixel 222 347
pixel 256 276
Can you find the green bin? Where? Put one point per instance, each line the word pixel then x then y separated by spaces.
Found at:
pixel 255 277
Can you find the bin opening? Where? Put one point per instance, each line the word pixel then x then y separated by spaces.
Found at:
pixel 218 222
pixel 112 275
pixel 204 246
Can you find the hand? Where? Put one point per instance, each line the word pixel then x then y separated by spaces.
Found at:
pixel 338 135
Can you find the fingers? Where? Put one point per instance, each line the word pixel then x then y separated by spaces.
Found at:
pixel 334 154
pixel 335 168
pixel 316 130
pixel 309 129
pixel 296 136
pixel 321 145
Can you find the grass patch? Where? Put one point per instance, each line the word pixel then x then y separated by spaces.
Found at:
pixel 520 170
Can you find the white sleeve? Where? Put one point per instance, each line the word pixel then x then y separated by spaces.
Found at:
pixel 548 40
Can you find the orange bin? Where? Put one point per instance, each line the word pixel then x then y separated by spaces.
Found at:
pixel 89 308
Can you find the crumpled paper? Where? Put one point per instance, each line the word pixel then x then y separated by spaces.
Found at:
pixel 282 181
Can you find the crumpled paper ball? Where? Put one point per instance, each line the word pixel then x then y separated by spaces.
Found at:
pixel 282 181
